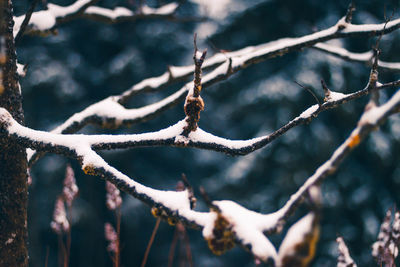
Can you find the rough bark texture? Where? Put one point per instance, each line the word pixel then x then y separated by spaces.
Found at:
pixel 13 164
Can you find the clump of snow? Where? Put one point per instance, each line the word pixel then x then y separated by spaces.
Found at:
pixel 163 10
pixel 296 235
pixel 110 13
pixel 336 96
pixel 308 112
pixel 248 227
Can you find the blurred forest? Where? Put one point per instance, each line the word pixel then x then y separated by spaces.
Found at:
pixel 88 61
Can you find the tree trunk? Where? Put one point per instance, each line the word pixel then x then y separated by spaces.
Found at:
pixel 13 163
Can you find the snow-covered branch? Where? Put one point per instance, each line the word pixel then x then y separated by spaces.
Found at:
pixel 365 57
pixel 44 21
pixel 173 135
pixel 223 64
pixel 120 14
pixel 243 226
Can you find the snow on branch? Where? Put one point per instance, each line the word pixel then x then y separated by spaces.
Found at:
pixel 243 226
pixel 45 21
pixel 109 113
pixel 227 222
pixel 365 57
pixel 224 65
pixel 175 134
pixel 120 14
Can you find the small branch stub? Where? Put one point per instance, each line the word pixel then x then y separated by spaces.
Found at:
pixel 349 15
pixel 89 169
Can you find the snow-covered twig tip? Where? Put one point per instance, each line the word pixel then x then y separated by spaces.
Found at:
pixel 344 259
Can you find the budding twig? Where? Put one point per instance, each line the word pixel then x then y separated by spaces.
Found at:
pixel 194 104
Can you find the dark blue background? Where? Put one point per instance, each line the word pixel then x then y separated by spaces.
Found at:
pixel 88 61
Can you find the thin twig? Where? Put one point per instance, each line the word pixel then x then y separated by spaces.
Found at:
pixel 153 235
pixel 187 247
pixel 25 23
pixel 174 242
pixel 308 89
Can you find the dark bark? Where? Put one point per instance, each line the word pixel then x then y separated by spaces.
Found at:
pixel 13 163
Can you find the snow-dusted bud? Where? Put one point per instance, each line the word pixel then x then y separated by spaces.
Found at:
pixel 113 198
pixel 70 189
pixel 60 222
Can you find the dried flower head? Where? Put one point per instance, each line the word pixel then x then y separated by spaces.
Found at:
pixel 385 249
pixel 60 222
pixel 70 189
pixel 114 199
pixel 111 237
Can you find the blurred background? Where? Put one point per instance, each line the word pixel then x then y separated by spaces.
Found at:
pixel 88 61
